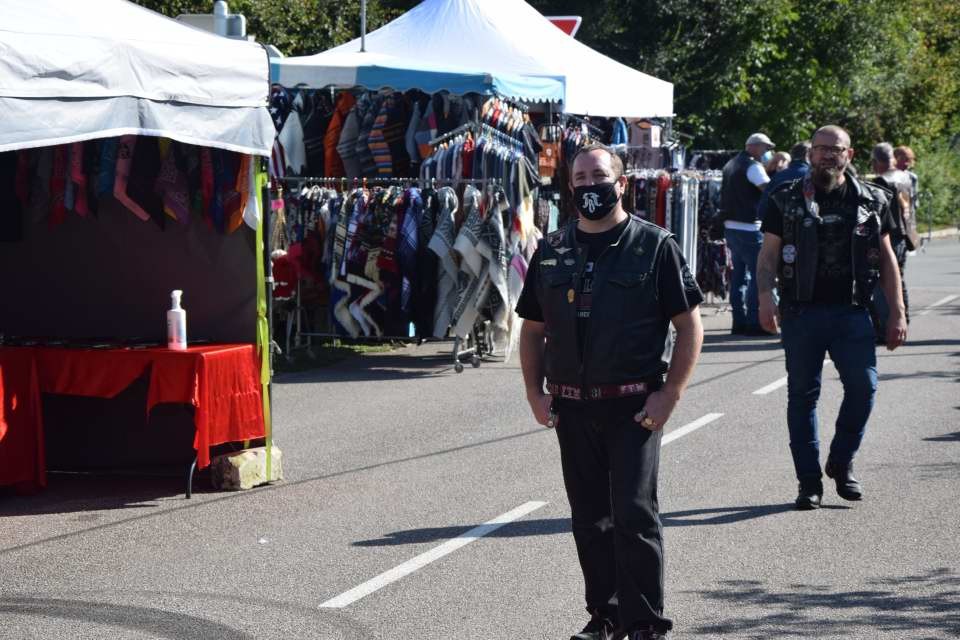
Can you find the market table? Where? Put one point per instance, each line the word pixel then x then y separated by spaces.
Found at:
pixel 222 382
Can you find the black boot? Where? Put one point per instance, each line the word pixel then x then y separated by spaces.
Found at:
pixel 599 628
pixel 848 487
pixel 647 634
pixel 811 491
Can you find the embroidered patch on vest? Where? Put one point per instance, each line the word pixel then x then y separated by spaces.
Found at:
pixel 562 250
pixel 788 272
pixel 808 222
pixel 789 253
pixel 570 295
pixel 549 262
pixel 569 262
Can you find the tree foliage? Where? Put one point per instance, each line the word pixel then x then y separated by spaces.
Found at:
pixel 884 69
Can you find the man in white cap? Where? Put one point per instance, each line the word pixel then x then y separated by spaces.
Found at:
pixel 744 179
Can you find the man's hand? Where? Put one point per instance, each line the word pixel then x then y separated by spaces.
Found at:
pixel 769 314
pixel 896 330
pixel 658 407
pixel 540 405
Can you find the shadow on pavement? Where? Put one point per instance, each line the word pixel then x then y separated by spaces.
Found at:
pixel 947 437
pixel 402 365
pixel 919 607
pixel 713 343
pixel 158 623
pixel 553 526
pixel 70 493
pixel 918 374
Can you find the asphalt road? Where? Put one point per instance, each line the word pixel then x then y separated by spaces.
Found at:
pixel 403 473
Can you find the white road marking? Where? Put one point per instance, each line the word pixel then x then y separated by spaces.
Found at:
pixel 776 384
pixel 427 557
pixel 689 428
pixel 939 303
pixel 448 547
pixel 773 386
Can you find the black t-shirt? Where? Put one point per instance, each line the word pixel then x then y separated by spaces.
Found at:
pixel 838 210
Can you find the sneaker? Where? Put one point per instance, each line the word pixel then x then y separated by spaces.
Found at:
pixel 599 628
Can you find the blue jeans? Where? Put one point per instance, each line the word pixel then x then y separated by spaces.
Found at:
pixel 846 333
pixel 744 248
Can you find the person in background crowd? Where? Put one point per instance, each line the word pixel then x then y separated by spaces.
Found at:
pixel 597 303
pixel 826 244
pixel 905 159
pixel 798 168
pixel 778 162
pixel 744 179
pixel 899 185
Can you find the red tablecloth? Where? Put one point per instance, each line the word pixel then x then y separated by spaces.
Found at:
pixel 22 460
pixel 221 381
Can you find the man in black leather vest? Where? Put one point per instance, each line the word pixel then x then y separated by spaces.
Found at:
pixel 744 179
pixel 826 243
pixel 597 303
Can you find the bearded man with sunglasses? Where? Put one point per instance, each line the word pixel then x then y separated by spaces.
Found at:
pixel 826 244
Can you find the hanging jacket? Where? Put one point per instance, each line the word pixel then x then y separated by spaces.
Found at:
pixel 801 221
pixel 627 333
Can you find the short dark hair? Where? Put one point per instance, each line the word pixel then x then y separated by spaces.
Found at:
pixel 800 151
pixel 616 162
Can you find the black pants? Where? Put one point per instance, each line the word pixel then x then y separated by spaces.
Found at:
pixel 610 466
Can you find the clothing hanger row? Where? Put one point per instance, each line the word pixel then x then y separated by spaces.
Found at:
pixel 345 183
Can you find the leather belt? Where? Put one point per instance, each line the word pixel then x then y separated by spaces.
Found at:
pixel 598 392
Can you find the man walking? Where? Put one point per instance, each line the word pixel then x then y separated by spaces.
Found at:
pixel 744 179
pixel 826 243
pixel 597 303
pixel 900 188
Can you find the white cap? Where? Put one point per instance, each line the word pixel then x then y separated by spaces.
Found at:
pixel 760 138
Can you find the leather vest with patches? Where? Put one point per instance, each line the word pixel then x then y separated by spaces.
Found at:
pixel 798 255
pixel 627 333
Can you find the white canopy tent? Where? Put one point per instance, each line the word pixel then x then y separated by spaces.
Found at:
pixel 73 71
pixel 510 38
pixel 345 68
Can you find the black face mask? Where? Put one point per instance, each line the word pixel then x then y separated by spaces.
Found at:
pixel 596 201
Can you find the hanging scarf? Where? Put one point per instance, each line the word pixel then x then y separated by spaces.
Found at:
pixel 58 185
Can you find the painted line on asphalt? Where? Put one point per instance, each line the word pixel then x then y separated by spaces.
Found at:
pixel 689 428
pixel 939 303
pixel 773 386
pixel 401 571
pixel 420 561
pixel 776 384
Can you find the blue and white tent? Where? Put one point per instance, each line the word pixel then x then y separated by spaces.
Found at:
pixel 488 46
pixel 344 69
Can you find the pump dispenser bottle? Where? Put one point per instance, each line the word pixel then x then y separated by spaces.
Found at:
pixel 176 324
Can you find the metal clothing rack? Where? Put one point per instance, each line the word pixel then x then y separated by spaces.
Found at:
pixel 475 346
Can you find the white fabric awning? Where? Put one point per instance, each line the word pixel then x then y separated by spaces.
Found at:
pixel 345 69
pixel 510 37
pixel 73 71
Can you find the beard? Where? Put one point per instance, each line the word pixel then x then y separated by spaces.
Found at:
pixel 827 178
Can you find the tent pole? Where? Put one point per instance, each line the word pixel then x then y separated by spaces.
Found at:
pixel 363 25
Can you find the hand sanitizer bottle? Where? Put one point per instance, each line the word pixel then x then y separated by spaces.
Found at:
pixel 176 324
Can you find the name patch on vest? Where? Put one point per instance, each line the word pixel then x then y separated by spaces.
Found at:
pixel 549 262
